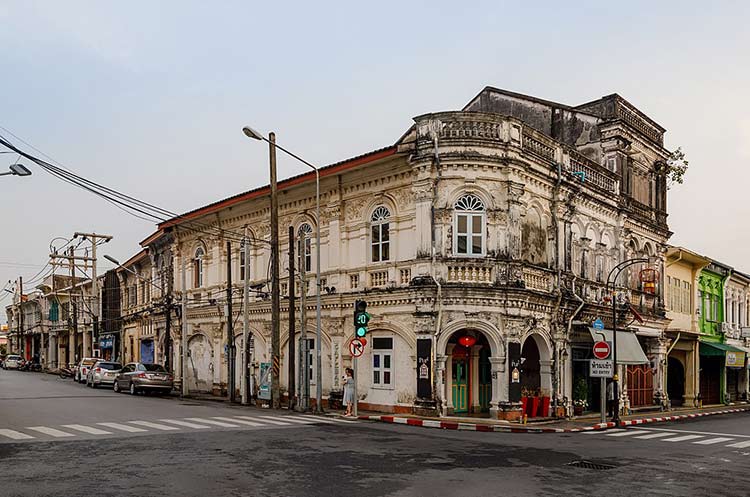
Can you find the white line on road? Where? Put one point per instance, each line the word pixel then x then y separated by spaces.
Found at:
pixel 118 426
pixel 740 445
pixel 156 426
pixel 682 438
pixel 87 429
pixel 240 421
pixel 268 419
pixel 677 431
pixel 50 431
pixel 654 435
pixel 711 441
pixel 15 435
pixel 184 423
pixel 292 419
pixel 213 422
pixel 626 433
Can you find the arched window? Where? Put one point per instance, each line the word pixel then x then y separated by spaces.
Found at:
pixel 198 267
pixel 469 226
pixel 380 229
pixel 306 251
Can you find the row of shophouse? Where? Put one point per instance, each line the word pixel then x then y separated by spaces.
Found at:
pixel 482 241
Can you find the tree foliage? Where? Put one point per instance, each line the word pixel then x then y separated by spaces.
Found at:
pixel 676 167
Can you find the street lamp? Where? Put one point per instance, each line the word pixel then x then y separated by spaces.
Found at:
pixel 616 271
pixel 251 133
pixel 17 170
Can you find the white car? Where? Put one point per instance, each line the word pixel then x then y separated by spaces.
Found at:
pixel 13 362
pixel 102 373
pixel 83 368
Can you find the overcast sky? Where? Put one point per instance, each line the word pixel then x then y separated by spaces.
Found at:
pixel 150 97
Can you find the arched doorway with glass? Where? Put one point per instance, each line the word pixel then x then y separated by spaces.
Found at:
pixel 468 373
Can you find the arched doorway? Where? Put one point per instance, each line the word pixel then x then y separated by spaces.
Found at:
pixel 200 366
pixel 469 372
pixel 536 376
pixel 675 381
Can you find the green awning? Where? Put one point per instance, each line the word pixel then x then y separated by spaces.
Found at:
pixel 629 350
pixel 713 349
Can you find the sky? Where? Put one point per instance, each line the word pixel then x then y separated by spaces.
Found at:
pixel 150 98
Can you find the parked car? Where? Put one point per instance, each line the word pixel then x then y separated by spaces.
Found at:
pixel 102 373
pixel 13 362
pixel 139 377
pixel 83 368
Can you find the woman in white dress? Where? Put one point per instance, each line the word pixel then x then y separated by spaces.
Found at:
pixel 349 391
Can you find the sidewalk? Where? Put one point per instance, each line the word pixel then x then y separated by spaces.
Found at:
pixel 580 424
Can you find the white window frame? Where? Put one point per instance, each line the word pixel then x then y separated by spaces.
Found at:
pixel 199 254
pixel 381 353
pixel 469 206
pixel 307 256
pixel 379 221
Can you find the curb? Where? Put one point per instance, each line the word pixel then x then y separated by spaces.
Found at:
pixel 453 425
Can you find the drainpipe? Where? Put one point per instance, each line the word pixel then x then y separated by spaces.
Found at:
pixel 434 129
pixel 572 317
pixel 555 227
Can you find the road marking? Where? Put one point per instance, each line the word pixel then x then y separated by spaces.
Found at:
pixel 600 432
pixel 683 438
pixel 184 423
pixel 295 420
pixel 213 422
pixel 118 426
pixel 716 440
pixel 268 419
pixel 740 445
pixel 15 435
pixel 676 431
pixel 654 435
pixel 626 433
pixel 240 421
pixel 50 431
pixel 87 429
pixel 319 419
pixel 156 426
pixel 345 421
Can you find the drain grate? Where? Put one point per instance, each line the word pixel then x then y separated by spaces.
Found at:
pixel 591 465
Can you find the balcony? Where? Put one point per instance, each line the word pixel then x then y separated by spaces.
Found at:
pixel 470 273
pixel 536 279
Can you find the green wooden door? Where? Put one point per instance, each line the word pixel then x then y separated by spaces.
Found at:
pixel 485 380
pixel 460 385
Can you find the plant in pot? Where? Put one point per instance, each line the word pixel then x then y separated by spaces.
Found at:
pixel 580 397
pixel 524 400
pixel 545 402
pixel 535 402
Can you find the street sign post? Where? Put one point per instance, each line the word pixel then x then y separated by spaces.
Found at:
pixel 601 369
pixel 356 349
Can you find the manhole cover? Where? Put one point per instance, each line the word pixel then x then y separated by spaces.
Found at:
pixel 591 465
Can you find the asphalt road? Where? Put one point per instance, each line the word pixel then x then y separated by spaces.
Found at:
pixel 61 439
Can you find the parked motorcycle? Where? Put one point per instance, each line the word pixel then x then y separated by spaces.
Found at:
pixel 66 372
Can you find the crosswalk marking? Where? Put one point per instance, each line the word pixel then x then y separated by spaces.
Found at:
pixel 15 435
pixel 711 441
pixel 88 429
pixel 240 421
pixel 740 445
pixel 268 419
pixel 121 427
pixel 626 433
pixel 214 422
pixel 654 435
pixel 51 431
pixel 683 438
pixel 293 419
pixel 156 426
pixel 184 423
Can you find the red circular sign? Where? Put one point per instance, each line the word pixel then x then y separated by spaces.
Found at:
pixel 601 350
pixel 356 347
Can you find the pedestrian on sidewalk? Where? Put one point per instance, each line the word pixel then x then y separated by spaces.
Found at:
pixel 349 391
pixel 611 399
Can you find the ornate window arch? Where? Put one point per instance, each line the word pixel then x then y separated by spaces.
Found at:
pixel 380 239
pixel 305 252
pixel 198 257
pixel 469 226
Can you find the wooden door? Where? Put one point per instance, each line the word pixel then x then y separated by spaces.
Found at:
pixel 460 385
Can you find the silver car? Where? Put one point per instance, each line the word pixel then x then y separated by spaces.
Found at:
pixel 139 377
pixel 102 373
pixel 13 362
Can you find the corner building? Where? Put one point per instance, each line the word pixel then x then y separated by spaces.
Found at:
pixel 481 241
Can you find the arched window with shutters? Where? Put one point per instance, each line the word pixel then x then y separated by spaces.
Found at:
pixel 198 267
pixel 380 241
pixel 306 251
pixel 469 223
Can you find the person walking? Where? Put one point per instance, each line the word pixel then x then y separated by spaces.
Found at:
pixel 611 399
pixel 349 391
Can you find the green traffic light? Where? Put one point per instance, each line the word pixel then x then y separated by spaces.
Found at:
pixel 361 332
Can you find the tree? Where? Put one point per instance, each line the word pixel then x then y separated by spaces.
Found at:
pixel 675 167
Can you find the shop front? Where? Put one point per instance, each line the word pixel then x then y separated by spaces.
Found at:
pixel 721 370
pixel 107 346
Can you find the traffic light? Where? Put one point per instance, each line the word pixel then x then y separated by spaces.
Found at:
pixel 361 318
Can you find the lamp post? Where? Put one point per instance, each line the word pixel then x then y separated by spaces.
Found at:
pixel 616 272
pixel 250 132
pixel 17 170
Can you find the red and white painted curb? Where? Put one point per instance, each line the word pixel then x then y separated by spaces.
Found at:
pixel 510 428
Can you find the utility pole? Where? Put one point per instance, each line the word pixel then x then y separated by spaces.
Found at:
pixel 275 297
pixel 246 319
pixel 291 368
pixel 94 238
pixel 304 363
pixel 183 319
pixel 230 327
pixel 74 338
pixel 21 335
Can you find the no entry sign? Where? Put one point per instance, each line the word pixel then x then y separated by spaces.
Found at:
pixel 356 347
pixel 602 350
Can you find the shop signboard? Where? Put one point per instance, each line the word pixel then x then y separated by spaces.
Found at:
pixel 106 341
pixel 601 369
pixel 735 359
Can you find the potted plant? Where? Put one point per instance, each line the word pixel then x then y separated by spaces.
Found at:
pixel 580 397
pixel 524 400
pixel 535 400
pixel 544 406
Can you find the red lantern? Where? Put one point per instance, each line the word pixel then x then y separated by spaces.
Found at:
pixel 649 277
pixel 467 341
